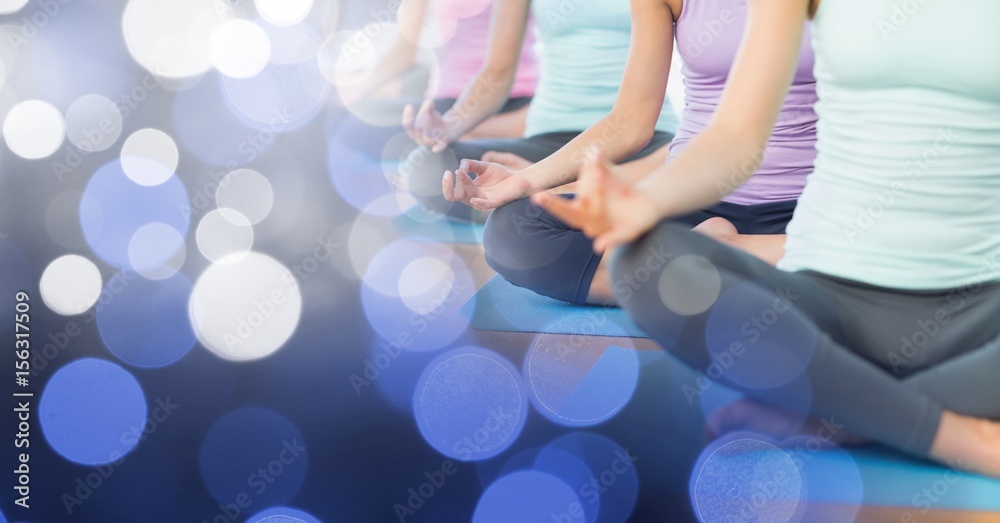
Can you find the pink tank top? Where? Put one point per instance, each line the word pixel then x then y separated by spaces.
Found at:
pixel 464 53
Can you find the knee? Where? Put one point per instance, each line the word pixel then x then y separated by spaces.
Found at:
pixel 424 170
pixel 637 268
pixel 506 239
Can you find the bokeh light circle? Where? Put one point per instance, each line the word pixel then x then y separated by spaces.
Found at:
pixel 422 280
pixel 347 58
pixel 34 129
pixel 575 473
pixel 170 39
pixel 93 123
pixel 429 319
pixel 608 485
pixel 746 477
pixel 224 236
pixel 11 6
pixel 280 98
pixel 149 157
pixel 580 386
pixel 113 208
pixel 249 448
pixel 157 251
pixel 92 411
pixel 248 192
pixel 833 480
pixel 247 309
pixel 283 12
pixel 239 48
pixel 689 285
pixel 70 285
pixel 283 515
pixel 527 495
pixel 144 322
pixel 757 337
pixel 470 404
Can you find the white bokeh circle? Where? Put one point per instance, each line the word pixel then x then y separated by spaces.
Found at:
pixel 245 310
pixel 34 129
pixel 70 285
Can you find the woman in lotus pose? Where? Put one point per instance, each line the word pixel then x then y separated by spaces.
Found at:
pixel 459 58
pixel 884 307
pixel 533 249
pixel 583 55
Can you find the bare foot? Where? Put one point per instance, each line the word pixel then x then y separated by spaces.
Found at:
pixel 768 247
pixel 508 160
pixel 717 228
pixel 968 444
pixel 778 423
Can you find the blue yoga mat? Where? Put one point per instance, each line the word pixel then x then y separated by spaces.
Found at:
pixel 736 473
pixel 502 306
pixel 416 223
pixel 894 479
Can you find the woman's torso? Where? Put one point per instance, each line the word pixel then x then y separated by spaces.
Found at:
pixel 708 35
pixel 584 47
pixel 906 189
pixel 465 47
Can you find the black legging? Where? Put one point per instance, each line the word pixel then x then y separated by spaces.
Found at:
pixel 424 170
pixel 882 362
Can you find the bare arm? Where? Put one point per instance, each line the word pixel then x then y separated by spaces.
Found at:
pixel 726 154
pixel 412 15
pixel 730 149
pixel 632 121
pixel 487 90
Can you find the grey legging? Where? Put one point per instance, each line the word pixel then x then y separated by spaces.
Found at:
pixel 883 362
pixel 533 249
pixel 423 170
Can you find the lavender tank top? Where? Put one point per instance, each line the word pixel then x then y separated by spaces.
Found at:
pixel 708 35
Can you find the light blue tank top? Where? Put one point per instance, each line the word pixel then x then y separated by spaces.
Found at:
pixel 583 48
pixel 906 188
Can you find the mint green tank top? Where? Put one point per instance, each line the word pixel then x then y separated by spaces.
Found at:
pixel 583 46
pixel 906 188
